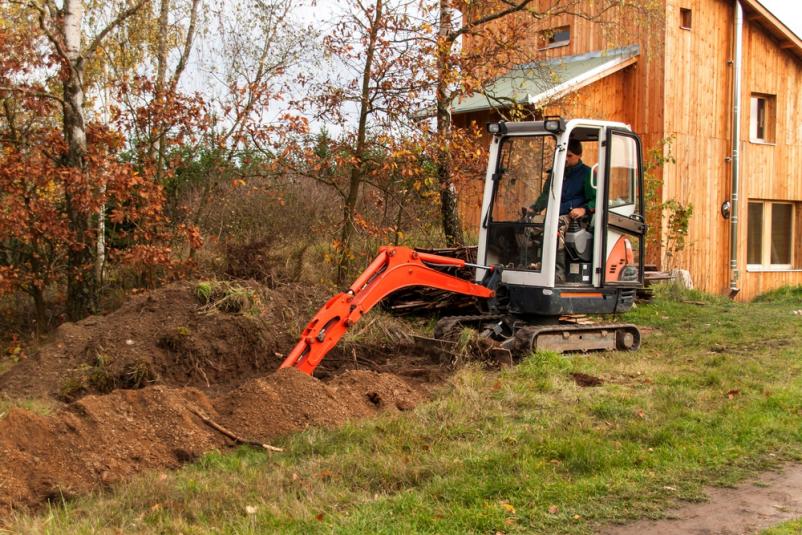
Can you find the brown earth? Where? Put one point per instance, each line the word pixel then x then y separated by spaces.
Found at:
pixel 161 337
pixel 138 388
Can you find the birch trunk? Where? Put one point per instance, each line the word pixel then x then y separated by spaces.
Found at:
pixel 80 282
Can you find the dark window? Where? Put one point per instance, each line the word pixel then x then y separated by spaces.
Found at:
pixel 770 234
pixel 555 37
pixel 762 118
pixel 754 234
pixel 781 233
pixel 686 18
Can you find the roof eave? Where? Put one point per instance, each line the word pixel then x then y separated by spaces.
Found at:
pixel 787 39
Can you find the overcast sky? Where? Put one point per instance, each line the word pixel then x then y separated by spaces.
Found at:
pixel 788 11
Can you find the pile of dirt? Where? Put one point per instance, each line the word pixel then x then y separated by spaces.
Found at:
pixel 166 336
pixel 98 440
pixel 180 371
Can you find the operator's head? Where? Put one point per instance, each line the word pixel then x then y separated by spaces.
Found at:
pixel 574 153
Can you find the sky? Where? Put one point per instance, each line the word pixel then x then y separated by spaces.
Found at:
pixel 788 11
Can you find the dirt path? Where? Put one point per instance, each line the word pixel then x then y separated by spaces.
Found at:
pixel 771 499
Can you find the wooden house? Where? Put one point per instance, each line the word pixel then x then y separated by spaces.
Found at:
pixel 681 84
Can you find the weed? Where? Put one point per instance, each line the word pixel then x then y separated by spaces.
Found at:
pixel 228 297
pixel 38 406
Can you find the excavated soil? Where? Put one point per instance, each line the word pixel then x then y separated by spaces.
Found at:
pixel 161 337
pixel 163 380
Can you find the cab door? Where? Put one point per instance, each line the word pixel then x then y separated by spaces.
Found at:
pixel 623 216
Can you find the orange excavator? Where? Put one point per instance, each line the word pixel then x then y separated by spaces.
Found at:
pixel 529 271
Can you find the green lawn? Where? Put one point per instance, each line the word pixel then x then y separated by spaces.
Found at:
pixel 714 394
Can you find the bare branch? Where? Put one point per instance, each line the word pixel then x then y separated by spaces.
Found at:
pixel 182 62
pixel 31 92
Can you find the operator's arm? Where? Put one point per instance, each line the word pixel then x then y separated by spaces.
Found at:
pixel 543 199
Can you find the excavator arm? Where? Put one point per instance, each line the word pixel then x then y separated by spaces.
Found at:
pixel 393 269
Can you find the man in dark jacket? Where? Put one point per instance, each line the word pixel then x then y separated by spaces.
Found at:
pixel 578 198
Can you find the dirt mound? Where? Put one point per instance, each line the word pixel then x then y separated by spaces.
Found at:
pixel 102 439
pixel 163 337
pixel 262 408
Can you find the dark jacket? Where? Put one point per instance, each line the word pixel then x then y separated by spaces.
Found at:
pixel 577 191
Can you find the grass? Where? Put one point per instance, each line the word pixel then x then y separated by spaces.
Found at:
pixel 37 406
pixel 792 527
pixel 714 394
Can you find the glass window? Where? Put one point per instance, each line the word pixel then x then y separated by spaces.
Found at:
pixel 554 37
pixel 761 118
pixel 686 18
pixel 770 234
pixel 623 184
pixel 522 188
pixel 526 164
pixel 754 233
pixel 781 230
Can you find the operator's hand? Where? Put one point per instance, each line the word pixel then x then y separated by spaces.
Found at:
pixel 577 212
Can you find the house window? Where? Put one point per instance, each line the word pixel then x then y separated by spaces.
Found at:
pixel 554 37
pixel 762 118
pixel 685 18
pixel 771 231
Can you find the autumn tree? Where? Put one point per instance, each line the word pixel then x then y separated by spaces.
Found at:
pixel 372 92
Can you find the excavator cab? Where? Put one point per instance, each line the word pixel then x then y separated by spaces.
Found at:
pixel 595 264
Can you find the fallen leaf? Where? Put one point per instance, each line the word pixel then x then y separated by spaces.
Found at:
pixel 732 393
pixel 156 507
pixel 496 386
pixel 553 509
pixel 319 517
pixel 507 506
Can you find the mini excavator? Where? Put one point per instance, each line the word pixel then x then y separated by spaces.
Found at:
pixel 529 272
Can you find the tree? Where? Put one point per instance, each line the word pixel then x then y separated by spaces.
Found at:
pixel 63 29
pixel 376 82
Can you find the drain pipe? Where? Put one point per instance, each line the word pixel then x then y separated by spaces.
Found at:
pixel 736 140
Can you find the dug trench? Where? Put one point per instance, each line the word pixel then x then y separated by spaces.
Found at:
pixel 175 373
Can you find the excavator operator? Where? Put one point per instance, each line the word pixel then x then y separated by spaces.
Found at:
pixel 578 198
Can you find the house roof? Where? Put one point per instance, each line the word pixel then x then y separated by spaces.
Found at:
pixel 538 83
pixel 786 39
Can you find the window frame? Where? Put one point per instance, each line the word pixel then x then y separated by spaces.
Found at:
pixel 762 115
pixel 685 18
pixel 766 234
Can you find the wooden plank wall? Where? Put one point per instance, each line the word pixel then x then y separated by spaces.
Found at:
pixel 698 106
pixel 770 172
pixel 697 118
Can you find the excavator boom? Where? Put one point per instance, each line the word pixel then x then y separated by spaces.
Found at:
pixel 394 268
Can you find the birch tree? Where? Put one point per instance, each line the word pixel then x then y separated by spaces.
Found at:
pixel 64 30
